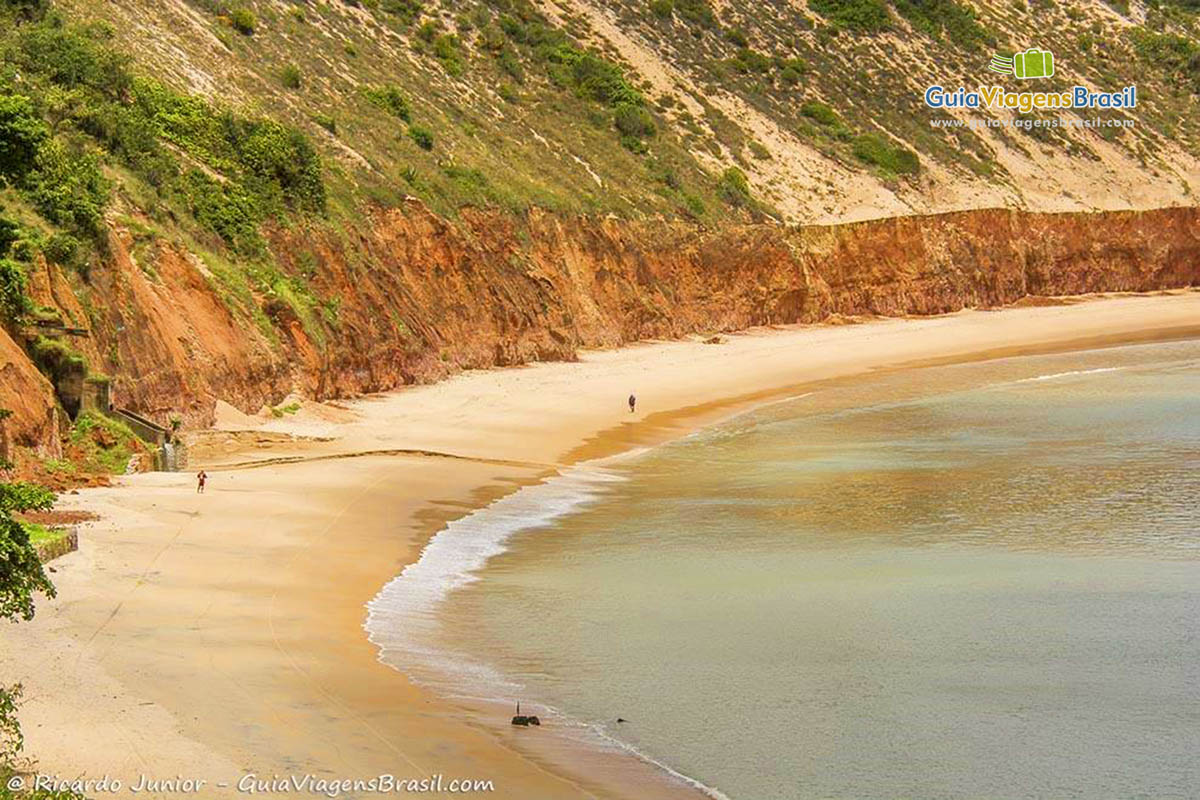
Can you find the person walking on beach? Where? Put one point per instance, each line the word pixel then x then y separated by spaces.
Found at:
pixel 201 478
pixel 632 402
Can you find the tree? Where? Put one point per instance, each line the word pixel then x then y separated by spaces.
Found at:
pixel 21 573
pixel 22 134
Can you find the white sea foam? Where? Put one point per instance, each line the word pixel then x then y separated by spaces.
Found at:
pixel 1068 374
pixel 402 618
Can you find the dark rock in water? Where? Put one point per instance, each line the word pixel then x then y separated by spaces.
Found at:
pixel 523 720
pixel 622 719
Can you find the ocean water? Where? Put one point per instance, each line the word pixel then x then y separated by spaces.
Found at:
pixel 967 581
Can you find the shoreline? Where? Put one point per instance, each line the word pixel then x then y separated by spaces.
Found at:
pixel 222 634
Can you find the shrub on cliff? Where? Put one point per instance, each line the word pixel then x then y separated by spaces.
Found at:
pixel 99 444
pixel 1176 56
pixel 390 99
pixel 446 50
pixel 791 70
pixel 76 56
pixel 61 248
pixel 10 234
pixel 327 122
pixel 22 134
pixel 226 210
pixel 593 77
pixel 860 16
pixel 820 112
pixel 243 20
pixel 958 22
pixel 697 12
pixel 290 77
pixel 68 188
pixel 748 60
pixel 735 189
pixel 633 120
pixel 422 136
pixel 406 10
pixel 871 148
pixel 14 299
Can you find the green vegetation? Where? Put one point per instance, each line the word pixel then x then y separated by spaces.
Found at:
pixel 589 75
pixel 1176 56
pixel 243 20
pixel 290 77
pixel 21 574
pixel 11 739
pixel 80 111
pixel 279 411
pixel 327 122
pixel 68 188
pixel 390 99
pixel 734 188
pixel 41 534
pixel 759 151
pixel 101 444
pixel 957 22
pixel 447 51
pixel 422 136
pixel 859 16
pixel 872 148
pixel 820 112
pixel 61 248
pixel 791 71
pixel 738 37
pixel 406 10
pixel 22 134
pixel 56 358
pixel 697 12
pixel 62 183
pixel 634 120
pixel 748 60
pixel 15 303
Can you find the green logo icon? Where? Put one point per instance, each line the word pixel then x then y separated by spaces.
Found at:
pixel 1033 63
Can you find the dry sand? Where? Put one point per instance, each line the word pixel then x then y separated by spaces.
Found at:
pixel 216 635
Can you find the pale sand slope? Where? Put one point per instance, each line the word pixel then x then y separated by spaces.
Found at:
pixel 214 635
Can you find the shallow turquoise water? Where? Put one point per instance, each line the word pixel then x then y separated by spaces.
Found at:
pixel 969 581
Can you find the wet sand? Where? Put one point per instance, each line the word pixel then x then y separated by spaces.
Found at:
pixel 219 635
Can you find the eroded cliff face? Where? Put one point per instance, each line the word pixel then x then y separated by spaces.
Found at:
pixel 411 297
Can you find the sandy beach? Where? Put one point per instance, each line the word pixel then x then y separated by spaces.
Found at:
pixel 216 636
